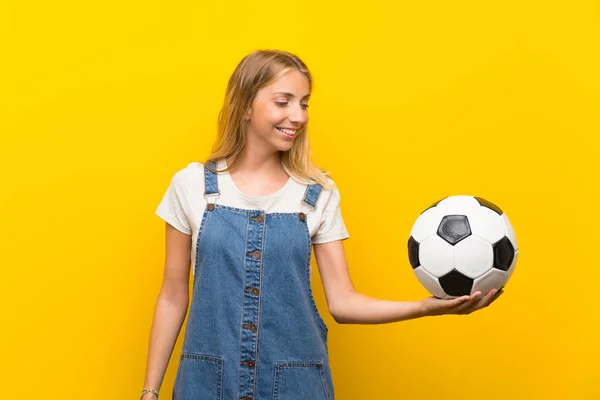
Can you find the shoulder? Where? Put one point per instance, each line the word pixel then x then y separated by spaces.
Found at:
pixel 326 183
pixel 329 194
pixel 331 187
pixel 189 176
pixel 331 182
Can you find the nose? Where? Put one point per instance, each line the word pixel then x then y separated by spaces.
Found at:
pixel 298 115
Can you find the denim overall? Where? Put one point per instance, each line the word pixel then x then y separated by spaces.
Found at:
pixel 253 329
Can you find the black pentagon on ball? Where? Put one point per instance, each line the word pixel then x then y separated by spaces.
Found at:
pixel 454 228
pixel 433 205
pixel 504 254
pixel 489 204
pixel 456 284
pixel 413 252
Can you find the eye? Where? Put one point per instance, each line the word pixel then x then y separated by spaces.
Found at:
pixel 285 103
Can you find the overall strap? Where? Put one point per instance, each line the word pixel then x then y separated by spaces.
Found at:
pixel 311 196
pixel 211 183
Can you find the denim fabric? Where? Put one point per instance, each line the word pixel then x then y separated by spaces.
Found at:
pixel 253 328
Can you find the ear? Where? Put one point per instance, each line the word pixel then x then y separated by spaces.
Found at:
pixel 247 115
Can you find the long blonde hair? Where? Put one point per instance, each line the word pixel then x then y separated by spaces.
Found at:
pixel 255 71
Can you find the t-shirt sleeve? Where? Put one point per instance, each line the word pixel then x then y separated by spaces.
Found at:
pixel 332 226
pixel 172 206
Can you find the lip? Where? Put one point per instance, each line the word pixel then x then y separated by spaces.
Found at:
pixel 288 136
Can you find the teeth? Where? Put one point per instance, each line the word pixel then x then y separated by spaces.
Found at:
pixel 290 132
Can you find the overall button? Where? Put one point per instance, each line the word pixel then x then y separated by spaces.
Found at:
pixel 210 206
pixel 254 291
pixel 249 364
pixel 251 327
pixel 302 216
pixel 260 219
pixel 246 398
pixel 256 254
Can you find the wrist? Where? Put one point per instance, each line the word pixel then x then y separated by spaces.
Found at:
pixel 427 307
pixel 423 309
pixel 149 394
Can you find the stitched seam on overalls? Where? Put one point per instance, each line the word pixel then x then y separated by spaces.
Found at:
pixel 282 365
pixel 243 301
pixel 254 211
pixel 260 273
pixel 213 359
pixel 300 364
pixel 239 210
pixel 275 382
pixel 200 231
pixel 322 374
pixel 320 320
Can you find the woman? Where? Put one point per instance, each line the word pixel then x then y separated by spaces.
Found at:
pixel 247 220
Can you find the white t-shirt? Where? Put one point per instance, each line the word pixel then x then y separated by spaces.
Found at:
pixel 183 204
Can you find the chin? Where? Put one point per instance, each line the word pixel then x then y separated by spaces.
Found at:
pixel 283 146
pixel 284 149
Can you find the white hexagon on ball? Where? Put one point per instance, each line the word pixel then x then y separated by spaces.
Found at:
pixel 426 224
pixel 430 282
pixel 457 205
pixel 487 224
pixel 436 256
pixel 473 256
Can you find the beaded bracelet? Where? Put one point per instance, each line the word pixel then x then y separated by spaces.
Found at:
pixel 144 391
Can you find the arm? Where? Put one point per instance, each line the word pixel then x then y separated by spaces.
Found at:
pixel 350 307
pixel 171 307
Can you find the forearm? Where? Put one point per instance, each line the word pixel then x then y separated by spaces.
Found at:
pixel 356 308
pixel 169 315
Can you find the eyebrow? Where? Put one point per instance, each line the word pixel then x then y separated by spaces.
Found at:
pixel 291 95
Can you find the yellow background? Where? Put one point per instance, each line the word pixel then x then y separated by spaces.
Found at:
pixel 100 104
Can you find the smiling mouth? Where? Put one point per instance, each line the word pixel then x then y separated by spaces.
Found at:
pixel 288 132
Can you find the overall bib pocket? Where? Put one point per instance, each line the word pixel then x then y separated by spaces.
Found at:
pixel 199 377
pixel 300 380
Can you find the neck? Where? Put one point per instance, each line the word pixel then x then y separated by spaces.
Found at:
pixel 255 158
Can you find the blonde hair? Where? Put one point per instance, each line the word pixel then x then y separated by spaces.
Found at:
pixel 255 71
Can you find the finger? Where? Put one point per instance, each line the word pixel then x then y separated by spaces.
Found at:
pixel 469 303
pixel 456 302
pixel 491 296
pixel 498 294
pixel 483 301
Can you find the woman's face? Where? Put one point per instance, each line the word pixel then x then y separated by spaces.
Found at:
pixel 279 111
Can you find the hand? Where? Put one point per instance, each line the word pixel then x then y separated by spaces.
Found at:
pixel 460 305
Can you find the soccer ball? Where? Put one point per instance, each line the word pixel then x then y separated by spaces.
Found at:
pixel 460 245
